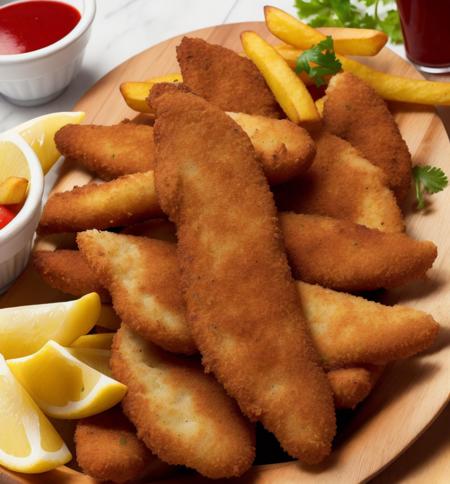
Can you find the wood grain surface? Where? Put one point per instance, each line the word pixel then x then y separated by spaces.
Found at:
pixel 412 392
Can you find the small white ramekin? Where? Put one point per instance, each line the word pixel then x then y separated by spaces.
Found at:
pixel 37 77
pixel 16 239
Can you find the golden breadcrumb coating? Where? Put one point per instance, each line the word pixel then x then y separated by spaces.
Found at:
pixel 344 185
pixel 224 78
pixel 356 113
pixel 107 448
pixel 67 271
pixel 126 200
pixel 182 414
pixel 108 151
pixel 349 257
pixel 242 304
pixel 138 273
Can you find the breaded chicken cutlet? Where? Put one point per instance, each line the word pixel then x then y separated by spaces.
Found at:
pixel 138 273
pixel 108 151
pixel 356 113
pixel 225 79
pixel 107 448
pixel 375 333
pixel 349 257
pixel 182 414
pixel 343 185
pixel 123 201
pixel 68 271
pixel 242 304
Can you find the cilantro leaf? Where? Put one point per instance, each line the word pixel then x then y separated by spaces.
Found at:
pixel 319 61
pixel 351 13
pixel 428 179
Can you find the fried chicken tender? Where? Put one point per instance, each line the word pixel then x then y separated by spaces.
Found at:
pixel 242 304
pixel 284 149
pixel 183 415
pixel 67 271
pixel 343 185
pixel 349 257
pixel 224 78
pixel 108 151
pixel 351 331
pixel 356 113
pixel 352 385
pixel 139 274
pixel 126 200
pixel 107 448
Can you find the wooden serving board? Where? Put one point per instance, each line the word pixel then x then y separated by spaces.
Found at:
pixel 413 392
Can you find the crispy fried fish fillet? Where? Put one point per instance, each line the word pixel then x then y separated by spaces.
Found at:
pixel 242 304
pixel 107 448
pixel 67 271
pixel 139 274
pixel 284 149
pixel 108 151
pixel 183 415
pixel 350 331
pixel 356 113
pixel 126 200
pixel 225 79
pixel 349 257
pixel 352 385
pixel 343 185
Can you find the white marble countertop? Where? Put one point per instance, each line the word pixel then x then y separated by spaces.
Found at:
pixel 122 28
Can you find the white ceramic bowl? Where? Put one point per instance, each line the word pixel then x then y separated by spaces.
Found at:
pixel 16 239
pixel 34 78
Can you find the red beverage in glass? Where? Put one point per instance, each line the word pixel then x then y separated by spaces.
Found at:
pixel 426 30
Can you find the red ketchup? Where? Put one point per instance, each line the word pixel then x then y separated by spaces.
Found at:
pixel 426 30
pixel 35 24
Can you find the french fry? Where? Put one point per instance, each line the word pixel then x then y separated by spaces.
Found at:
pixel 388 86
pixel 294 32
pixel 288 89
pixel 320 105
pixel 136 93
pixel 13 190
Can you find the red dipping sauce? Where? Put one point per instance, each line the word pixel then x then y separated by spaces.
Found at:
pixel 426 30
pixel 35 24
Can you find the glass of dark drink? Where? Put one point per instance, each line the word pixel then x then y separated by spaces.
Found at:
pixel 426 31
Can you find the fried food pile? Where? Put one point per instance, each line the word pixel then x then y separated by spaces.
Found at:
pixel 222 235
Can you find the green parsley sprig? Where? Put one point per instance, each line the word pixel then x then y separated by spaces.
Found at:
pixel 427 179
pixel 348 13
pixel 319 61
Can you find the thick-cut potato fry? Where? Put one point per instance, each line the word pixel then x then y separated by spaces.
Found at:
pixel 352 385
pixel 13 190
pixel 288 89
pixel 388 86
pixel 320 104
pixel 126 200
pixel 294 32
pixel 136 93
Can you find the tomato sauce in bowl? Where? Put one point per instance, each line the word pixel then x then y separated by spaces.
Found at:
pixel 32 25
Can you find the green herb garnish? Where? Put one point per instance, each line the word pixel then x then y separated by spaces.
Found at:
pixel 428 179
pixel 347 13
pixel 319 61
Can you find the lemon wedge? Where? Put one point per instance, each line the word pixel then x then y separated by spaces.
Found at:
pixel 63 386
pixel 39 133
pixel 100 340
pixel 28 442
pixel 13 162
pixel 94 357
pixel 25 329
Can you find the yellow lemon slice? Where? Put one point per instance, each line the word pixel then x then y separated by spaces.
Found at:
pixel 28 442
pixel 13 162
pixel 100 340
pixel 25 329
pixel 39 133
pixel 96 358
pixel 63 386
